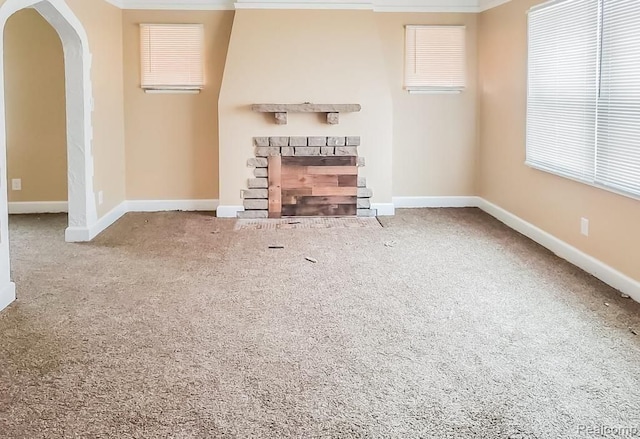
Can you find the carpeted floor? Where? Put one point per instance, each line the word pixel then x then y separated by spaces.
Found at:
pixel 442 324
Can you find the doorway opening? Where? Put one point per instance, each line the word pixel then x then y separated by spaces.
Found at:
pixel 82 213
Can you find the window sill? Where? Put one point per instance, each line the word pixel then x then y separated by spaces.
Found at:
pixel 434 91
pixel 189 91
pixel 586 182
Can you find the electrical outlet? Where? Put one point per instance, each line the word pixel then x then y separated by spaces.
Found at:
pixel 584 226
pixel 100 197
pixel 16 184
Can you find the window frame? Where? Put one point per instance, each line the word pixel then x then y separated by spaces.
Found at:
pixel 436 89
pixel 595 179
pixel 176 87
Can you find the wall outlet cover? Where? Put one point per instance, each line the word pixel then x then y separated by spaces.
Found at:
pixel 584 226
pixel 16 184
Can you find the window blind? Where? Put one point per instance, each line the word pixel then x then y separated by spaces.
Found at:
pixel 562 88
pixel 172 56
pixel 583 106
pixel 435 57
pixel 618 143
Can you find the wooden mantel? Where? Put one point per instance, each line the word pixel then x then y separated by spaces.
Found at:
pixel 280 111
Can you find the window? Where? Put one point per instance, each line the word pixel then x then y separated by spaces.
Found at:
pixel 583 105
pixel 172 56
pixel 435 58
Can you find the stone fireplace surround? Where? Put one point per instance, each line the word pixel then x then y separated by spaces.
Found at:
pixel 256 197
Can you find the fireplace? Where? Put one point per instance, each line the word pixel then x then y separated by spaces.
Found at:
pixel 306 177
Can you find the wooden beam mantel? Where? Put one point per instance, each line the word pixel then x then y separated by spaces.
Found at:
pixel 280 111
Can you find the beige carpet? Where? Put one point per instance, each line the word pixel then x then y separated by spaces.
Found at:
pixel 306 223
pixel 442 324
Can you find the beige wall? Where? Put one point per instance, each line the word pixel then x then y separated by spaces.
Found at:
pixel 35 109
pixel 172 139
pixel 415 145
pixel 552 203
pixel 434 136
pixel 103 24
pixel 286 56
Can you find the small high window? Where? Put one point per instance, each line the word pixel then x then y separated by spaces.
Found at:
pixel 172 56
pixel 435 58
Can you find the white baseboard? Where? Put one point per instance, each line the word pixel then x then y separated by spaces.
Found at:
pixel 85 234
pixel 591 265
pixel 107 220
pixel 77 234
pixel 7 295
pixel 422 202
pixel 229 211
pixel 25 207
pixel 171 205
pixel 384 209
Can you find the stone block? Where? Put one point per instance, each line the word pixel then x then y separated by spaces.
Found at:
pixel 366 213
pixel 361 162
pixel 363 203
pixel 307 108
pixel 261 141
pixel 327 150
pixel 278 141
pixel 333 118
pixel 297 141
pixel 281 118
pixel 261 172
pixel 364 192
pixel 255 193
pixel 253 214
pixel 336 141
pixel 287 151
pixel 256 204
pixel 362 182
pixel 317 141
pixel 257 162
pixel 268 151
pixel 346 150
pixel 353 141
pixel 307 150
pixel 258 183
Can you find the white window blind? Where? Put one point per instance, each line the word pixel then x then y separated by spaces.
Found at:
pixel 562 91
pixel 435 58
pixel 172 56
pixel 583 106
pixel 618 147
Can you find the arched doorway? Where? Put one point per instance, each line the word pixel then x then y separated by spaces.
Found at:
pixel 77 58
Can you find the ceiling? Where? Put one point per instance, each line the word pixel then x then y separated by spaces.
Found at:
pixel 375 5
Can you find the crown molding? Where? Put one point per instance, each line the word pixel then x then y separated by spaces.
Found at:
pixel 311 4
pixel 470 6
pixel 431 6
pixel 485 5
pixel 181 5
pixel 117 3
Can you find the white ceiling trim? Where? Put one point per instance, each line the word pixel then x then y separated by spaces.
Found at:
pixel 466 6
pixel 485 5
pixel 182 5
pixel 313 4
pixel 118 3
